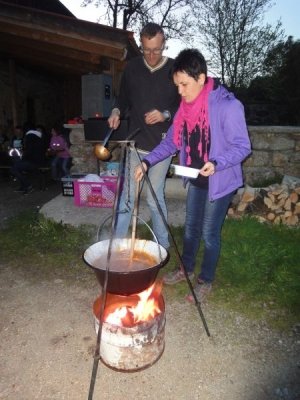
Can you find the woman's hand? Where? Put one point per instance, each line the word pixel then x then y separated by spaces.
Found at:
pixel 208 169
pixel 139 173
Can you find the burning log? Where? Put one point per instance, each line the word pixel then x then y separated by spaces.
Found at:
pixel 133 329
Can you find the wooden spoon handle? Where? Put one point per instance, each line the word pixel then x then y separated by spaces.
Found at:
pixel 134 220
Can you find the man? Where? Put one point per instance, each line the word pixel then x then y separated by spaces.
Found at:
pixel 33 157
pixel 150 99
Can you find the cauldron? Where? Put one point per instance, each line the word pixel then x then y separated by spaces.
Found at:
pixel 127 280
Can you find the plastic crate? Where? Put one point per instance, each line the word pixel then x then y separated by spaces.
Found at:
pixel 96 194
pixel 67 184
pixel 112 168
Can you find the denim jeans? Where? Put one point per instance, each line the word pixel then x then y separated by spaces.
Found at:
pixel 59 167
pixel 157 176
pixel 19 167
pixel 204 220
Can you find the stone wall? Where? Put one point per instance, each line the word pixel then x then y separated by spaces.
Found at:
pixel 82 152
pixel 275 152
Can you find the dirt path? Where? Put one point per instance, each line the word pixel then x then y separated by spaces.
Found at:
pixel 48 339
pixel 12 203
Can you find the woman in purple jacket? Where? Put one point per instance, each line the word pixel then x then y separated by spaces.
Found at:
pixel 210 132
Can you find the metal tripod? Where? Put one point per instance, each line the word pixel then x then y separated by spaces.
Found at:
pixel 124 150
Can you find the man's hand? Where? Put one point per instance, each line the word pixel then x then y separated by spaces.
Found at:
pixel 114 119
pixel 138 172
pixel 153 117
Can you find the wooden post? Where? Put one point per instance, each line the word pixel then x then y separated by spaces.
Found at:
pixel 12 76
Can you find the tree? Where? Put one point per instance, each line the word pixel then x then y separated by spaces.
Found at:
pixel 282 67
pixel 172 15
pixel 234 36
pixel 277 90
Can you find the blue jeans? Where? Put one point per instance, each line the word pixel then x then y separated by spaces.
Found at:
pixel 59 167
pixel 204 220
pixel 19 167
pixel 157 175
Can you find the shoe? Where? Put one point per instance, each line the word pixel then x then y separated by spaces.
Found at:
pixel 28 190
pixel 201 290
pixel 176 276
pixel 19 190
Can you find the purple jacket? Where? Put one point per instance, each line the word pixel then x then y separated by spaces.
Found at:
pixel 230 143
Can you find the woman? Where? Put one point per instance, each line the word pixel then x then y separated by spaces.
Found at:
pixel 210 132
pixel 59 148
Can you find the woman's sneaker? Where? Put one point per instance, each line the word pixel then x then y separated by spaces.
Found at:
pixel 176 276
pixel 201 290
pixel 28 190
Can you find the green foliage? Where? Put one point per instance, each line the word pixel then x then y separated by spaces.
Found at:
pixel 279 84
pixel 36 244
pixel 262 183
pixel 260 265
pixel 257 273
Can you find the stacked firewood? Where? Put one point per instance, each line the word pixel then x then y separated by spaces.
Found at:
pixel 278 204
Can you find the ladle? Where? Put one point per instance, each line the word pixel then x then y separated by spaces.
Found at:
pixel 101 152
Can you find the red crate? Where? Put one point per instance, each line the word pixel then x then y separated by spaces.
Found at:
pixel 96 194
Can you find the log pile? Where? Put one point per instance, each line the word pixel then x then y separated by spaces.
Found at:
pixel 278 204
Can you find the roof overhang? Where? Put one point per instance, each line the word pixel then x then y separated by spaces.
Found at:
pixel 61 44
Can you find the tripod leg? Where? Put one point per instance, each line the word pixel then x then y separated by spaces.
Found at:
pixel 197 303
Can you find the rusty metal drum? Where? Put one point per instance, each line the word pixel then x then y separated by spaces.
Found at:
pixel 129 349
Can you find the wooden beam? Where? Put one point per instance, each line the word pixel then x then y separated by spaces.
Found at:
pixel 91 62
pixel 58 66
pixel 89 44
pixel 16 44
pixel 13 91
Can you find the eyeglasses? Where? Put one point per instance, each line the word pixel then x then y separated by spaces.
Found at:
pixel 156 52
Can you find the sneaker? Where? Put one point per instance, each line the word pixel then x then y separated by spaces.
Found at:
pixel 176 276
pixel 19 190
pixel 28 190
pixel 201 290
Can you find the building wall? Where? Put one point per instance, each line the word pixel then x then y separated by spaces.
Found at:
pixel 40 98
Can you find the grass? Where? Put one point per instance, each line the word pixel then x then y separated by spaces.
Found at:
pixel 46 248
pixel 265 182
pixel 257 274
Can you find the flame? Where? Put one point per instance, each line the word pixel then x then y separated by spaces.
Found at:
pixel 145 309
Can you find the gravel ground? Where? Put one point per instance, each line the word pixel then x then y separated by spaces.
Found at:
pixel 48 341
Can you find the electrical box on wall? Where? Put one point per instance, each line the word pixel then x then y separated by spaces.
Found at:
pixel 96 95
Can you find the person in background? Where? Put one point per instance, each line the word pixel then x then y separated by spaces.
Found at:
pixel 5 159
pixel 149 98
pixel 33 157
pixel 61 155
pixel 16 142
pixel 210 132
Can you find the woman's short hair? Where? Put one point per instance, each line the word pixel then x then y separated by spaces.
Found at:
pixel 190 61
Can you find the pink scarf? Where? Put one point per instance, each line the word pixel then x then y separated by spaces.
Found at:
pixel 194 113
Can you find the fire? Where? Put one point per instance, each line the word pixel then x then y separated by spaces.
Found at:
pixel 146 308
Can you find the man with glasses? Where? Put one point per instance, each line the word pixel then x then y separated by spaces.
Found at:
pixel 150 99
